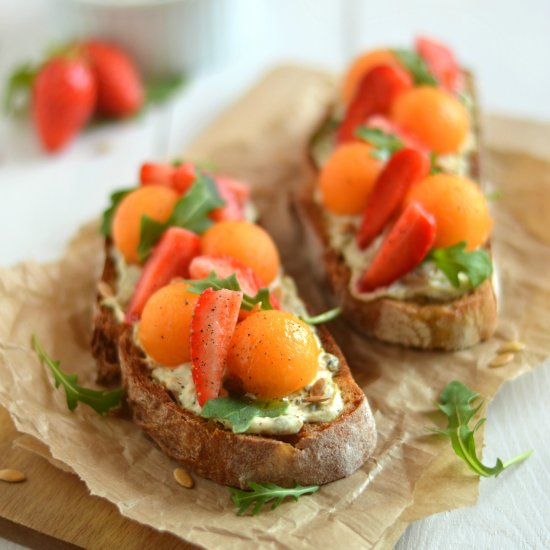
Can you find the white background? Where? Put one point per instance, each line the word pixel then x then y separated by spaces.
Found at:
pixel 43 199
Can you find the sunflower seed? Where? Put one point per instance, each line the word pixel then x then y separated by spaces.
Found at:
pixel 12 476
pixel 501 360
pixel 181 475
pixel 513 345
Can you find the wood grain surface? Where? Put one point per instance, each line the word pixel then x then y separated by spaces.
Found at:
pixel 54 510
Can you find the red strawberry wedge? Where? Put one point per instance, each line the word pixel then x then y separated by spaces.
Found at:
pixel 120 89
pixel 375 95
pixel 405 246
pixel 64 95
pixel 170 258
pixel 441 62
pixel 212 327
pixel 403 170
pixel 225 266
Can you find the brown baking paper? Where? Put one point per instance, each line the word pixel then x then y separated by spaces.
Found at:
pixel 412 474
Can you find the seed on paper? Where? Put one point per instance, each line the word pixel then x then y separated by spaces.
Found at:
pixel 513 345
pixel 181 475
pixel 501 360
pixel 12 476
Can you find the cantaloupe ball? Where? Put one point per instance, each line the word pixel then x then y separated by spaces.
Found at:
pixel 460 209
pixel 348 177
pixel 154 201
pixel 248 243
pixel 273 353
pixel 166 323
pixel 434 116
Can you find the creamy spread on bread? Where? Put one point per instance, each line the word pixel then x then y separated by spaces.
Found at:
pixel 179 381
pixel 127 276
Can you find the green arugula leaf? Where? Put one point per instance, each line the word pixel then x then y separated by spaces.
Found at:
pixel 149 234
pixel 416 66
pixel 322 317
pixel 198 286
pixel 434 167
pixel 107 218
pixel 240 413
pixel 18 88
pixel 99 400
pixel 158 91
pixel 385 145
pixel 455 402
pixel 262 493
pixel 495 195
pixel 476 265
pixel 191 212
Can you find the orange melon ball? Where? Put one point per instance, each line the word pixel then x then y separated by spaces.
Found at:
pixel 273 353
pixel 361 66
pixel 246 242
pixel 348 177
pixel 459 207
pixel 434 116
pixel 154 201
pixel 166 323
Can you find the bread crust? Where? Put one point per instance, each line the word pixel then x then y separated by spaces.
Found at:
pixel 445 325
pixel 106 329
pixel 318 454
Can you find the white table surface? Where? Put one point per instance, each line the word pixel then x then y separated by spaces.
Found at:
pixel 44 199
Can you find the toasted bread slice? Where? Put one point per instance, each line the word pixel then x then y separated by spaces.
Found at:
pixel 419 323
pixel 318 454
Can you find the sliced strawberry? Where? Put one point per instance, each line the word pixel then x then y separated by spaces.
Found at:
pixel 224 266
pixel 240 189
pixel 212 327
pixel 375 94
pixel 403 170
pixel 387 126
pixel 155 173
pixel 231 210
pixel 183 177
pixel 405 246
pixel 170 258
pixel 441 62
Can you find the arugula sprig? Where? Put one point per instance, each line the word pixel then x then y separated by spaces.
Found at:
pixel 198 286
pixel 108 214
pixel 385 144
pixel 476 265
pixel 322 317
pixel 240 412
pixel 456 402
pixel 190 212
pixel 263 493
pixel 99 400
pixel 416 66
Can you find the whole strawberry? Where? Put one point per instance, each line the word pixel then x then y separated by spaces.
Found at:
pixel 64 95
pixel 120 90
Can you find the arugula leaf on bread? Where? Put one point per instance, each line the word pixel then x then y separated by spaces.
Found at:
pixel 453 260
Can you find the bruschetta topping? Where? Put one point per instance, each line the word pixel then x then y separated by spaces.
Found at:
pixel 393 134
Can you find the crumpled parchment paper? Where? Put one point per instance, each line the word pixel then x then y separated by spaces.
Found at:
pixel 412 474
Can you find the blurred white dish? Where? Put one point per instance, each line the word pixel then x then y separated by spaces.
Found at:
pixel 165 37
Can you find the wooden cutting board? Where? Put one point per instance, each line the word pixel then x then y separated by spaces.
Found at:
pixel 54 510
